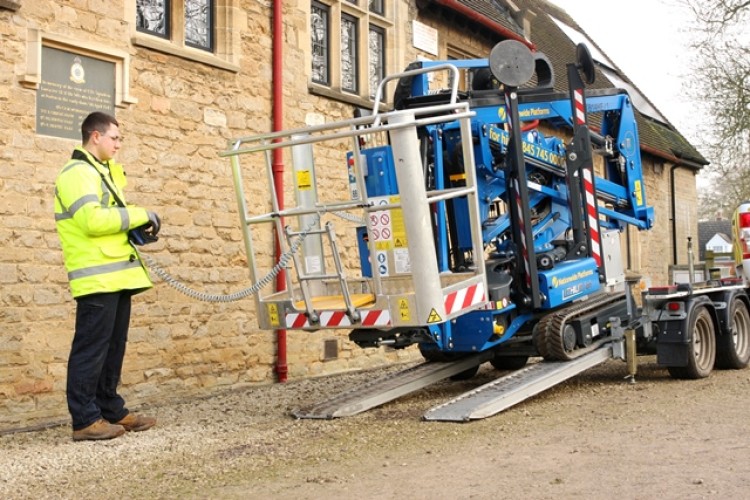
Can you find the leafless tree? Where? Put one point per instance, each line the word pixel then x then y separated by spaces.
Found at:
pixel 722 90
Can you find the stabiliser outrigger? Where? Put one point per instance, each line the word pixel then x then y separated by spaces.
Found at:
pixel 469 228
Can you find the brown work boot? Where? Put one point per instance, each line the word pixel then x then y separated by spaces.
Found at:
pixel 101 429
pixel 136 423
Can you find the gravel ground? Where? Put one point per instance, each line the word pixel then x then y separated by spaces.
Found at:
pixel 594 436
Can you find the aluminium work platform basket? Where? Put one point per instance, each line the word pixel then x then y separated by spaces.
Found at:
pixel 399 284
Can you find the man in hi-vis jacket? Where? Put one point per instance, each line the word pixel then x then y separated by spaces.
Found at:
pixel 104 271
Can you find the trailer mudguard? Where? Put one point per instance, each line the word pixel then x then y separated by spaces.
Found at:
pixel 722 304
pixel 733 332
pixel 675 335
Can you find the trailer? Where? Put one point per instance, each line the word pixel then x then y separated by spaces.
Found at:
pixel 462 222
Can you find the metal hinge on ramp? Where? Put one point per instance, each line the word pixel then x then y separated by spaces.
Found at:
pixel 511 389
pixel 382 390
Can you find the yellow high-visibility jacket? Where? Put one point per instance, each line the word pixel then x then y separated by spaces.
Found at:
pixel 93 228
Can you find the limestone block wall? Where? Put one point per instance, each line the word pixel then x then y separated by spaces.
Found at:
pixel 652 252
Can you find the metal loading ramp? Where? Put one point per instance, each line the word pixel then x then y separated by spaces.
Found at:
pixel 384 389
pixel 504 392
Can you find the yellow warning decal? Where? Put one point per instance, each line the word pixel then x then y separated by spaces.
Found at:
pixel 397 224
pixel 273 314
pixel 304 180
pixel 638 193
pixel 434 317
pixel 404 313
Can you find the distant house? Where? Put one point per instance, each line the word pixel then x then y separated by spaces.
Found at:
pixel 719 243
pixel 715 235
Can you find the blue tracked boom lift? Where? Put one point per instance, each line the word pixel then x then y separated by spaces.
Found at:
pixel 540 238
pixel 484 236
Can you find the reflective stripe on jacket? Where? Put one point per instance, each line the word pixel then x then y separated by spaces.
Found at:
pixel 93 228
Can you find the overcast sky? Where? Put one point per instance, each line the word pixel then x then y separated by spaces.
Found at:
pixel 649 41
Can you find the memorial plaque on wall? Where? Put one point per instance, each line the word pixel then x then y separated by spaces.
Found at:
pixel 72 86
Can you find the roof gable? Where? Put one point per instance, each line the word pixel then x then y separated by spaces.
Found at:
pixel 719 239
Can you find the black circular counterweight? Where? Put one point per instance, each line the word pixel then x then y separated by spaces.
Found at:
pixel 512 63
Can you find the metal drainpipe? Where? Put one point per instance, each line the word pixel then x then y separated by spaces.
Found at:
pixel 673 209
pixel 278 170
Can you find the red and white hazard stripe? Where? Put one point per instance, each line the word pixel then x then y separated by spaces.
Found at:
pixel 592 212
pixel 379 317
pixel 466 297
pixel 593 216
pixel 579 108
pixel 336 319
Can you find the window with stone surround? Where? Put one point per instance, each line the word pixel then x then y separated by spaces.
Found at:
pixel 349 41
pixel 199 24
pixel 152 17
pixel 319 29
pixel 163 18
pixel 377 6
pixel 201 30
pixel 376 54
pixel 348 47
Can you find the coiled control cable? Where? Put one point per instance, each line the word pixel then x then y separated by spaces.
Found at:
pixel 241 294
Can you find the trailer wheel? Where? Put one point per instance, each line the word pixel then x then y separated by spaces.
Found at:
pixel 702 350
pixel 733 347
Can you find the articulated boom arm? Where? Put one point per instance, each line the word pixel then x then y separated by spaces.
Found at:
pixel 620 183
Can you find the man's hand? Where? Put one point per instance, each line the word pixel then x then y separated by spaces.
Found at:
pixel 154 223
pixel 147 233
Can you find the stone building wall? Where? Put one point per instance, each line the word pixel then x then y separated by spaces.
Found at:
pixel 182 110
pixel 178 110
pixel 652 252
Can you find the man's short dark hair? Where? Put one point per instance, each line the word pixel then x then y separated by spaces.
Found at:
pixel 96 121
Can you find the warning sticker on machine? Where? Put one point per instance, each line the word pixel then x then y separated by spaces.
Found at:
pixel 434 317
pixel 380 227
pixel 304 180
pixel 273 314
pixel 397 223
pixel 401 260
pixel 387 231
pixel 382 262
pixel 403 310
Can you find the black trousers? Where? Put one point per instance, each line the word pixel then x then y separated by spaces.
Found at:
pixel 96 356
